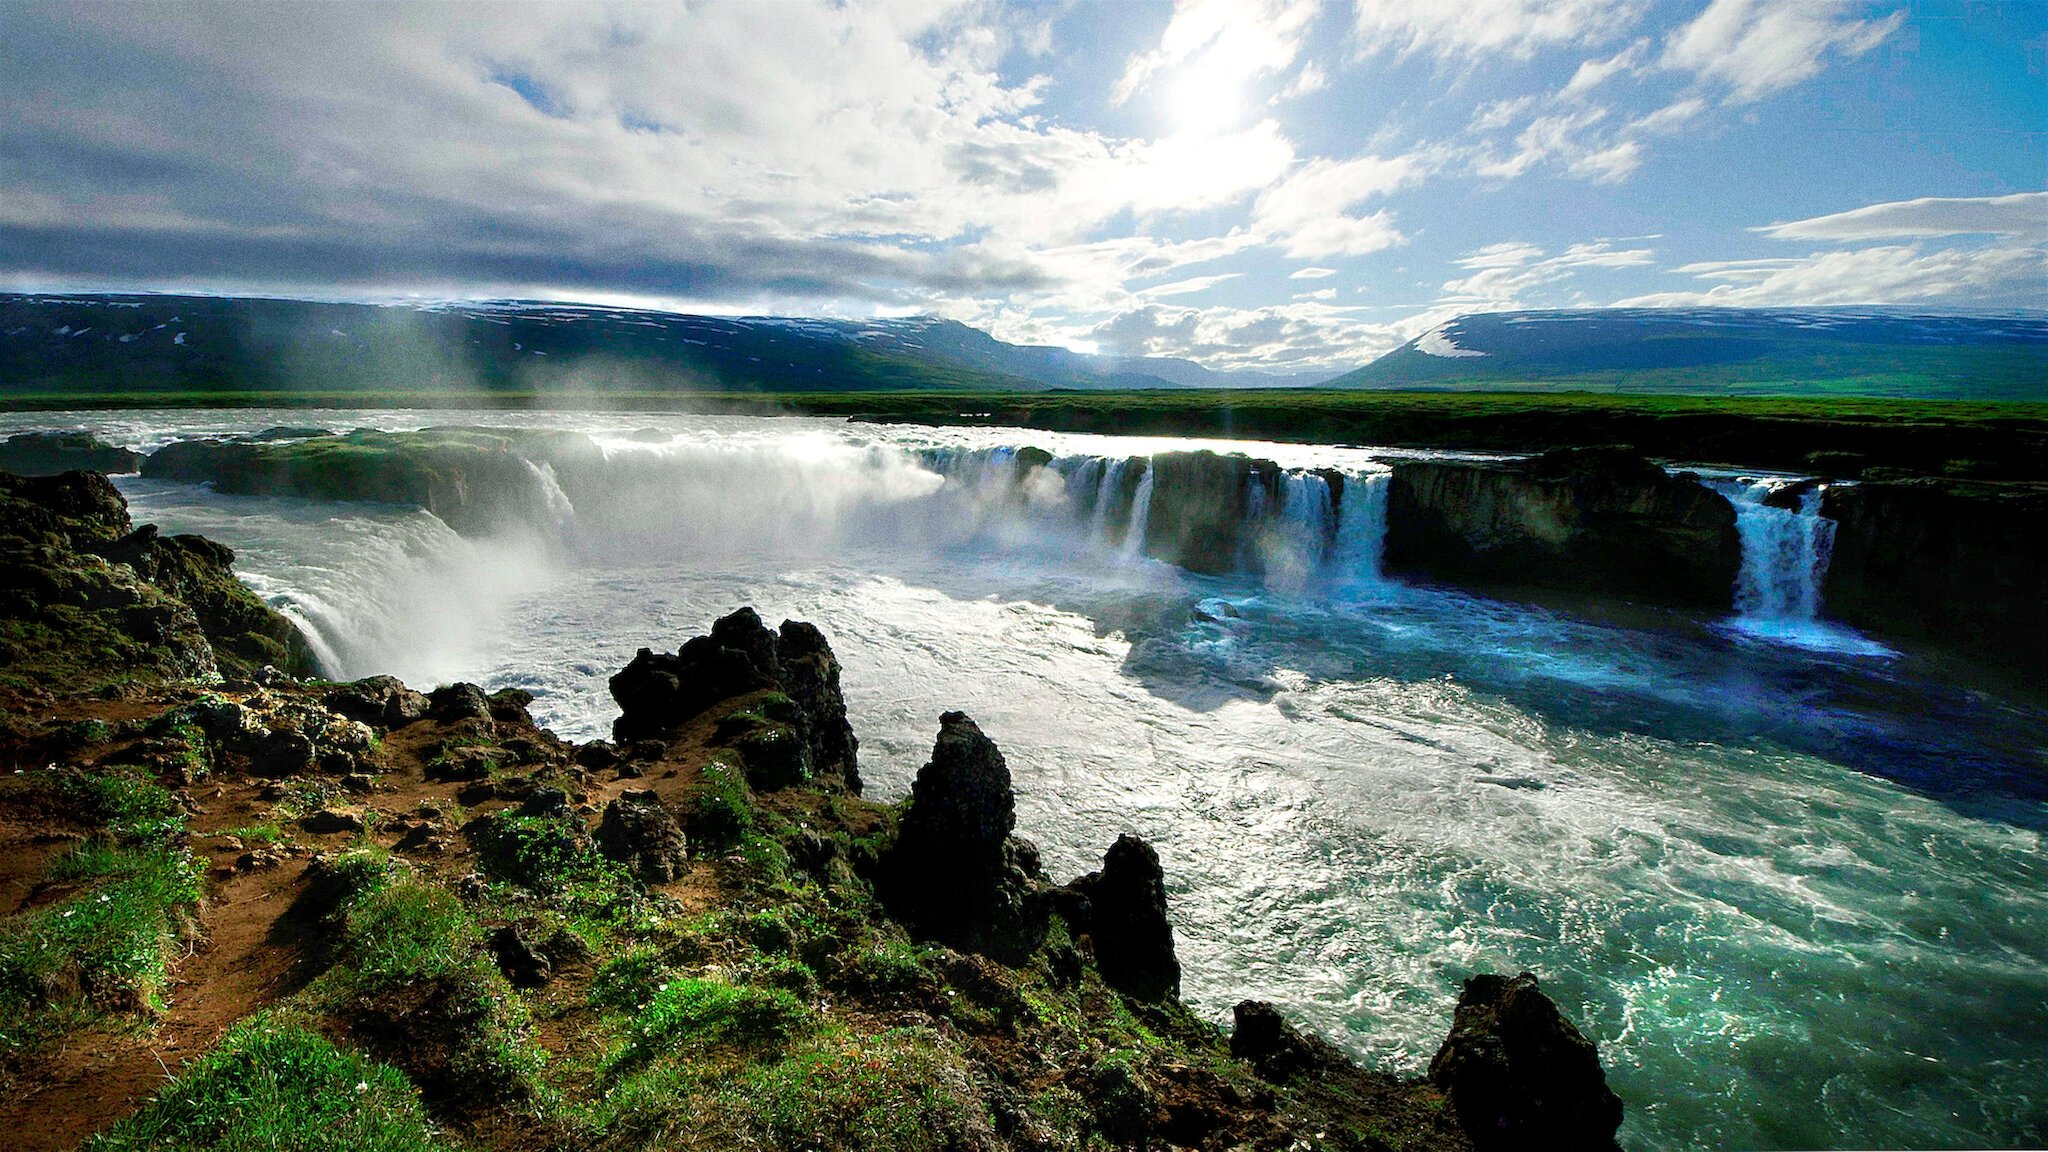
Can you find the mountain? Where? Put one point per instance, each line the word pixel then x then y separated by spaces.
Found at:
pixel 103 343
pixel 1726 351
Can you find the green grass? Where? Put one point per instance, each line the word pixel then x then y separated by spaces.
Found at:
pixel 723 813
pixel 271 1084
pixel 691 1014
pixel 108 948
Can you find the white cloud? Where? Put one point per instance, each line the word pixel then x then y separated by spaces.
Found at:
pixel 1311 273
pixel 1189 286
pixel 1306 212
pixel 1301 336
pixel 1669 118
pixel 1892 274
pixel 1502 273
pixel 1593 73
pixel 1223 44
pixel 1477 28
pixel 2024 214
pixel 1756 47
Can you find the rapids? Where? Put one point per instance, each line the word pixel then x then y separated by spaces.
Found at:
pixel 1790 881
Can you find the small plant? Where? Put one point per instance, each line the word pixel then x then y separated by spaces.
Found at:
pixel 723 812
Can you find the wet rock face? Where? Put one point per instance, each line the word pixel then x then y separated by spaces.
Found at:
pixel 638 832
pixel 1123 911
pixel 246 634
pixel 953 875
pixel 1520 1075
pixel 51 453
pixel 1199 504
pixel 1954 563
pixel 1595 520
pixel 804 732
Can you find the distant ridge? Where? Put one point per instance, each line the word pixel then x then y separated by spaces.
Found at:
pixel 1734 351
pixel 86 343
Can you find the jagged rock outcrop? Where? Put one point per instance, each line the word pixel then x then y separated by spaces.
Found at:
pixel 380 700
pixel 1270 1043
pixel 1122 910
pixel 638 832
pixel 1591 520
pixel 247 634
pixel 955 874
pixel 1954 563
pixel 52 453
pixel 70 616
pixel 1520 1075
pixel 798 732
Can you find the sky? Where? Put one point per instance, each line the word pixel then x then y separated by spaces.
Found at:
pixel 1275 185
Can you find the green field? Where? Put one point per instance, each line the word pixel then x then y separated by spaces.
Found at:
pixel 1988 440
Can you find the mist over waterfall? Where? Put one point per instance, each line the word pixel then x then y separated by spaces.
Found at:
pixel 1707 836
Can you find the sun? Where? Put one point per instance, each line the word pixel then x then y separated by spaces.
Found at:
pixel 1205 99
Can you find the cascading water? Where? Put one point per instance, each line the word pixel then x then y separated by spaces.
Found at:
pixel 1786 544
pixel 1707 849
pixel 1361 533
pixel 1141 517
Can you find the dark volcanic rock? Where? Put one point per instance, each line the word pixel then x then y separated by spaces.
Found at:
pixel 952 875
pixel 457 702
pixel 658 692
pixel 638 832
pixel 520 957
pixel 1520 1075
pixel 247 635
pixel 1594 520
pixel 1124 913
pixel 51 453
pixel 1954 563
pixel 1264 1039
pixel 810 677
pixel 1198 509
pixel 381 700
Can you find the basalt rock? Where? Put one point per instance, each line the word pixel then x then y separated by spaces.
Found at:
pixel 457 702
pixel 51 453
pixel 1956 564
pixel 1122 910
pixel 1199 504
pixel 639 833
pixel 247 635
pixel 1586 520
pixel 953 874
pixel 1266 1040
pixel 381 700
pixel 1519 1075
pixel 659 692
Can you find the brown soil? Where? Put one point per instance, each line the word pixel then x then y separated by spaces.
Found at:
pixel 105 1074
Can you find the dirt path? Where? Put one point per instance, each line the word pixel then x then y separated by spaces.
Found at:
pixel 102 1076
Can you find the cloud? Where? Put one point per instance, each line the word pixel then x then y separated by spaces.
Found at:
pixel 1225 42
pixel 1890 274
pixel 2024 214
pixel 1301 336
pixel 1503 273
pixel 1478 28
pixel 1593 73
pixel 1754 48
pixel 1568 139
pixel 1311 273
pixel 1189 286
pixel 1306 212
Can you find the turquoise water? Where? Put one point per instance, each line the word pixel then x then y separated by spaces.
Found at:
pixel 1796 895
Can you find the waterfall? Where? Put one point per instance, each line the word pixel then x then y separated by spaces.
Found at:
pixel 1784 550
pixel 1141 516
pixel 1361 535
pixel 1106 489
